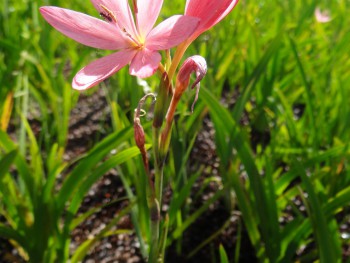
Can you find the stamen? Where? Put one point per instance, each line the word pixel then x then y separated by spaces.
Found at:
pixel 137 44
pixel 108 15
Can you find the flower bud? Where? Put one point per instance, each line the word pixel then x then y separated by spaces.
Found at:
pixel 139 134
pixel 195 64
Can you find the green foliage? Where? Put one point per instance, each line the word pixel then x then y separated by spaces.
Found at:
pixel 35 213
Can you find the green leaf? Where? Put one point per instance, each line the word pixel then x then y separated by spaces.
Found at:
pixel 96 155
pixel 223 255
pixel 6 162
pixel 21 165
pixel 84 248
pixel 11 234
pixel 94 175
pixel 81 218
pixel 178 232
pixel 328 251
pixel 255 75
pixel 180 197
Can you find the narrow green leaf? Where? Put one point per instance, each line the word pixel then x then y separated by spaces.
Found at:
pixel 11 234
pixel 6 162
pixel 94 175
pixel 325 240
pixel 72 183
pixel 180 197
pixel 310 102
pixel 81 218
pixel 24 171
pixel 340 200
pixel 84 248
pixel 223 255
pixel 178 232
pixel 255 75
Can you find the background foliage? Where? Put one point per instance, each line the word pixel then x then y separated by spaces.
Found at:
pixel 276 91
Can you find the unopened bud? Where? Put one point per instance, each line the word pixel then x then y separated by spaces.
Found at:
pixel 138 130
pixel 139 134
pixel 195 64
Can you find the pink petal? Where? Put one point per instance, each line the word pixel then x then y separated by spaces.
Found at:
pixel 121 10
pixel 145 63
pixel 85 29
pixel 210 12
pixel 322 17
pixel 148 12
pixel 226 8
pixel 101 69
pixel 171 32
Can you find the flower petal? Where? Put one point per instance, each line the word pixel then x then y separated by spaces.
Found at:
pixel 210 12
pixel 101 69
pixel 145 63
pixel 226 8
pixel 121 10
pixel 147 14
pixel 85 29
pixel 171 32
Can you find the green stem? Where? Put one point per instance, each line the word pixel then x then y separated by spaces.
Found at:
pixel 155 220
pixel 157 161
pixel 180 51
pixel 154 202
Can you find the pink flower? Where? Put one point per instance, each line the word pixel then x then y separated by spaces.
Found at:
pixel 210 12
pixel 322 17
pixel 138 43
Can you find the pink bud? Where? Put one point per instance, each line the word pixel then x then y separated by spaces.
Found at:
pixel 195 64
pixel 139 134
pixel 138 130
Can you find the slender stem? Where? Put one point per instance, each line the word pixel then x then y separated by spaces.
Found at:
pixel 155 220
pixel 168 58
pixel 161 69
pixel 155 135
pixel 180 51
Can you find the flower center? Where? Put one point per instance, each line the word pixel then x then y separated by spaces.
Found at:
pixel 136 43
pixel 109 16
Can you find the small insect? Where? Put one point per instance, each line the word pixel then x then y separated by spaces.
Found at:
pixel 107 14
pixel 106 17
